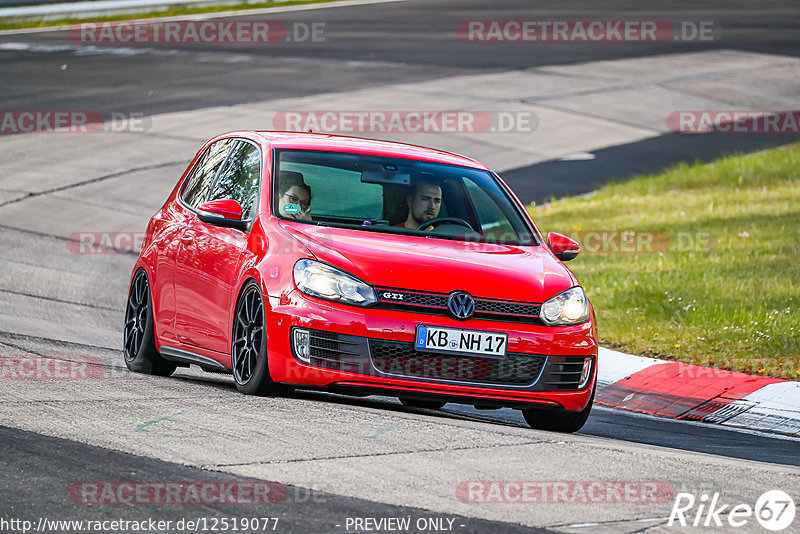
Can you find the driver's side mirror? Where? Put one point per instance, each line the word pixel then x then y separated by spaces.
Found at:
pixel 226 213
pixel 562 246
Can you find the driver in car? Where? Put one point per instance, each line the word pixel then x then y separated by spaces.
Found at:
pixel 424 202
pixel 294 196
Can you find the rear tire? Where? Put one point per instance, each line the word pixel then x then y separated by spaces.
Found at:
pixel 558 421
pixel 249 344
pixel 426 404
pixel 139 340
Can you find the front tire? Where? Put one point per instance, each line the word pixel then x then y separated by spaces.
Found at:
pixel 558 421
pixel 139 340
pixel 249 345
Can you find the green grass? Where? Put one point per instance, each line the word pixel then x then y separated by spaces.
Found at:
pixel 731 303
pixel 38 23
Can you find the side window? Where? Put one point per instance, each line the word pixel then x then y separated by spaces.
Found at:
pixel 494 223
pixel 199 183
pixel 240 178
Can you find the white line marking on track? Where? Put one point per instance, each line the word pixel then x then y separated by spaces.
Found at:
pixel 216 15
pixel 94 50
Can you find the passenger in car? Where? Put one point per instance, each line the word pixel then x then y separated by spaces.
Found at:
pixel 294 196
pixel 424 202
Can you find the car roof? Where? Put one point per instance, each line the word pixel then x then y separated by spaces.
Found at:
pixel 359 145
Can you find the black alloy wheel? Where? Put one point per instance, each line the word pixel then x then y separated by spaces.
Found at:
pixel 249 345
pixel 139 345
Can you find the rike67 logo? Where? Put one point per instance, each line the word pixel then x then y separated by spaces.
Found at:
pixel 774 510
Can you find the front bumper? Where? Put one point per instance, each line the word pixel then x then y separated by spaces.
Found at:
pixel 371 351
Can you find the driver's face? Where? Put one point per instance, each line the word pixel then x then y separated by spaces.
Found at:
pixel 425 205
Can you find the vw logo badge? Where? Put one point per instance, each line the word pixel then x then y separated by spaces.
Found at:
pixel 461 305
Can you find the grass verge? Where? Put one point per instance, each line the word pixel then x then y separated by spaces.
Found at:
pixel 172 12
pixel 721 287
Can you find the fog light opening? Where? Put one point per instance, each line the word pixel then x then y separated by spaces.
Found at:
pixel 586 373
pixel 302 342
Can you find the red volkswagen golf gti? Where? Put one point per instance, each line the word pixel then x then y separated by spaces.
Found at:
pixel 361 267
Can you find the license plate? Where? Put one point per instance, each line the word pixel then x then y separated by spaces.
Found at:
pixel 457 341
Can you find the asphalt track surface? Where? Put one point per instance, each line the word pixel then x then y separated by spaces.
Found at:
pixel 41 470
pixel 387 43
pixel 366 46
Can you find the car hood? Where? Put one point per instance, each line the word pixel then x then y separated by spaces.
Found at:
pixel 529 274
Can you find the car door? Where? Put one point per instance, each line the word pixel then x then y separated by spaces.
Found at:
pixel 209 256
pixel 171 226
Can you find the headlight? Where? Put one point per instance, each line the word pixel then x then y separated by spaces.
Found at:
pixel 569 307
pixel 321 280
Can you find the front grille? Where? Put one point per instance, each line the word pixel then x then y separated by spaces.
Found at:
pixel 564 373
pixel 410 298
pixel 436 304
pixel 401 359
pixel 507 308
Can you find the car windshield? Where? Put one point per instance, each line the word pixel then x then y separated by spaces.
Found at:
pixel 394 195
